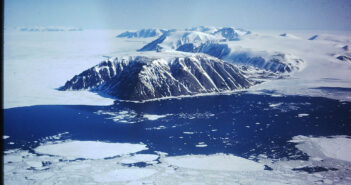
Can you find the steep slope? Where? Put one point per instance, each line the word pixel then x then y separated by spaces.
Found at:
pixel 143 78
pixel 143 33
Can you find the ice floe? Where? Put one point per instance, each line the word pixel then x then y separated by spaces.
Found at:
pixel 302 115
pixel 336 147
pixel 219 162
pixel 62 163
pixel 124 116
pixel 89 149
pixel 5 137
pixel 275 104
pixel 201 144
pixel 153 117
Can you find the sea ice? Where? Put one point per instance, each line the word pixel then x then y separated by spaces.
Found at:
pixel 201 144
pixel 89 149
pixel 153 117
pixel 220 162
pixel 123 175
pixel 336 147
pixel 302 115
pixel 139 158
pixel 5 137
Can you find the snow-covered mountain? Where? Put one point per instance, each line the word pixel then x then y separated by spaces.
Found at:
pixel 218 50
pixel 174 39
pixel 143 78
pixel 231 34
pixel 143 33
pixel 217 44
pixel 274 62
pixel 196 36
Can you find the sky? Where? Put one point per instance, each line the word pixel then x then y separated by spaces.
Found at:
pixel 135 14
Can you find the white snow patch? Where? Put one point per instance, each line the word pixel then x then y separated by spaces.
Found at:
pixel 5 137
pixel 89 149
pixel 220 162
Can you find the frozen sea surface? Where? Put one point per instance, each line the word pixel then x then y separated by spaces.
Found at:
pixel 262 138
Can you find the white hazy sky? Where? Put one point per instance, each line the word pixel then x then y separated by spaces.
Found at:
pixel 133 14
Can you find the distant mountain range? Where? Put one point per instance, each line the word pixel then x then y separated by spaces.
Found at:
pixel 48 29
pixel 192 61
pixel 215 42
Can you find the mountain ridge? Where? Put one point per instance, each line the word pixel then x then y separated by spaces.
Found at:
pixel 142 78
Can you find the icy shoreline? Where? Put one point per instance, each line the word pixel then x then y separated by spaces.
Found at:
pixel 54 163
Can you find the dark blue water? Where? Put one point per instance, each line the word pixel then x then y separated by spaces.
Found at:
pixel 241 124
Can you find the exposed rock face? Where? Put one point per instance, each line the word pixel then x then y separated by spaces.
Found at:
pixel 344 58
pixel 143 78
pixel 314 37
